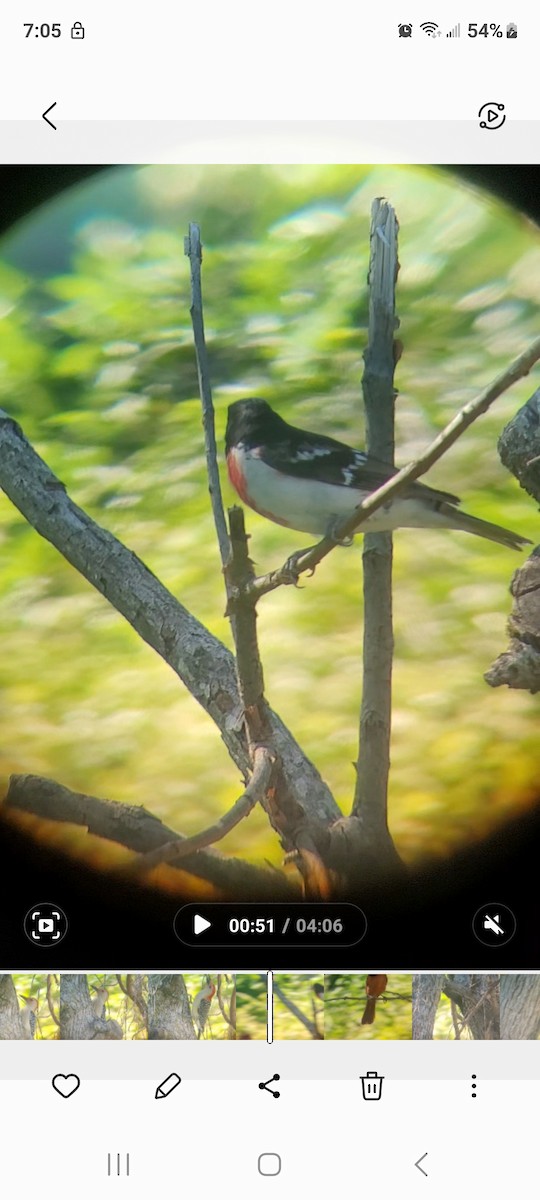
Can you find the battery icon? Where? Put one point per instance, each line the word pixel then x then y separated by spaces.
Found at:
pixel 511 30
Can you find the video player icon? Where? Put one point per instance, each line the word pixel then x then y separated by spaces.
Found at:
pixel 46 924
pixel 492 116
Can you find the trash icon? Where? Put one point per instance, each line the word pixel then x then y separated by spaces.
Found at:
pixel 372 1085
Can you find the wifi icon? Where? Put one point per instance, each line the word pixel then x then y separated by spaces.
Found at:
pixel 431 28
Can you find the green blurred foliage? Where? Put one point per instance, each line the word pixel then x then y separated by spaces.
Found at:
pixel 97 363
pixel 344 1002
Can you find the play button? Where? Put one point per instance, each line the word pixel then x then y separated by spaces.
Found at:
pixel 492 116
pixel 200 924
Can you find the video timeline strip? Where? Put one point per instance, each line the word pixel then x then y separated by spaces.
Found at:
pixel 218 1006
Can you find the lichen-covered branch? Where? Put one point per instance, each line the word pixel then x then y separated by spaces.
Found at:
pixel 519 446
pixel 519 665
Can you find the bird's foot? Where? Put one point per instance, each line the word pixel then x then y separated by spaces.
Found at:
pixel 293 567
pixel 333 531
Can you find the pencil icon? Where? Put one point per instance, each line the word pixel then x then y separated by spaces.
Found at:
pixel 167 1086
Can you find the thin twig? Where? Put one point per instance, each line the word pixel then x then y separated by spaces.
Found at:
pixel 193 249
pixel 373 759
pixel 520 367
pixel 263 762
pixel 278 800
pixel 234 558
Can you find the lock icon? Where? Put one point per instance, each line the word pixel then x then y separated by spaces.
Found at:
pixel 77 30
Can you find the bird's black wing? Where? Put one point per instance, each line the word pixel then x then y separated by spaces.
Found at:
pixel 333 462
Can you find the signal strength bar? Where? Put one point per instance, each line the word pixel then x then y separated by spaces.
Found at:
pixel 454 32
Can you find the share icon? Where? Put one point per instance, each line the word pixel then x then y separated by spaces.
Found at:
pixel 264 1087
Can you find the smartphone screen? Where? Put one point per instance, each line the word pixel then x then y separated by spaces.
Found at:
pixel 269 599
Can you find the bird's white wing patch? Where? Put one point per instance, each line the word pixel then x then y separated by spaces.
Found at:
pixel 349 473
pixel 307 453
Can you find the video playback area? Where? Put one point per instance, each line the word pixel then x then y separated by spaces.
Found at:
pixel 249 663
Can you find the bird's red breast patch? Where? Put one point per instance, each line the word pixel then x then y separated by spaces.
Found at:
pixel 237 477
pixel 239 483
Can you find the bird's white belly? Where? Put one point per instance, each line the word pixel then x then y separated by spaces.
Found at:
pixel 314 507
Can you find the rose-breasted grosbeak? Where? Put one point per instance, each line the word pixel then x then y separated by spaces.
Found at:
pixel 310 482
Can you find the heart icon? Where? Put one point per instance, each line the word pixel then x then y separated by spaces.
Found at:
pixel 66 1085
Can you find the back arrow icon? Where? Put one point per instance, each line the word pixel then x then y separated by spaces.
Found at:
pixel 417 1164
pixel 45 117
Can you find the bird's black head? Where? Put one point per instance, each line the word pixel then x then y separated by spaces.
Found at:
pixel 248 421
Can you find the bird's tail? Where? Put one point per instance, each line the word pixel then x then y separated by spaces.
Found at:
pixel 455 519
pixel 369 1011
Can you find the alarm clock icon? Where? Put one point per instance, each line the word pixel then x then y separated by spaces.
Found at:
pixel 405 30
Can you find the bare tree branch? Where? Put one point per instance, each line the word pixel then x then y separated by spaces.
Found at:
pixel 137 829
pixel 360 848
pixel 238 574
pixel 373 763
pixel 294 823
pixel 399 482
pixel 200 660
